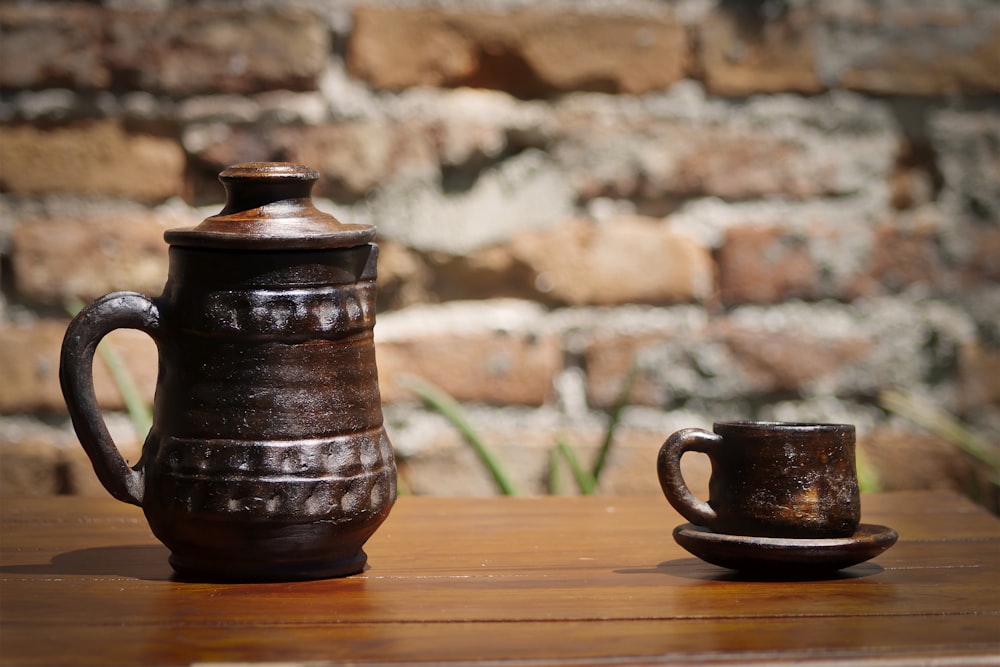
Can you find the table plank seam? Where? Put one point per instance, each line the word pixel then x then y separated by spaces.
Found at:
pixel 307 623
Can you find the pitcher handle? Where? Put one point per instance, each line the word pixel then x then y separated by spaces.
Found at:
pixel 119 310
pixel 668 469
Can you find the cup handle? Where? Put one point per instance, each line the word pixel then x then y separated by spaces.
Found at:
pixel 668 469
pixel 119 310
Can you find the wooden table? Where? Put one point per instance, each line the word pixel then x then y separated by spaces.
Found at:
pixel 595 580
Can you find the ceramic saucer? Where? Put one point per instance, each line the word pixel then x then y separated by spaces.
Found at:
pixel 777 555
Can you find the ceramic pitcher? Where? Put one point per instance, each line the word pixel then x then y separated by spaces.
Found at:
pixel 267 458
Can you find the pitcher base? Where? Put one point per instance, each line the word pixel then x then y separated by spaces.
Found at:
pixel 194 569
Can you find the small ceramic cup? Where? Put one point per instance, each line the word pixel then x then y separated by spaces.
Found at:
pixel 769 479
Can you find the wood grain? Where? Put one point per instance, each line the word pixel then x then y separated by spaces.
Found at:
pixel 533 579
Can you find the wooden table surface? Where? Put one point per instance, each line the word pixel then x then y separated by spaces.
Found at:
pixel 595 580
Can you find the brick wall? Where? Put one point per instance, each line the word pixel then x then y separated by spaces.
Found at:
pixel 771 209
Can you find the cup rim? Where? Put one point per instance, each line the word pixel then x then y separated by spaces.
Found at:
pixel 797 427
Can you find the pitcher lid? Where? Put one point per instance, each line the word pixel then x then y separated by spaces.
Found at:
pixel 269 207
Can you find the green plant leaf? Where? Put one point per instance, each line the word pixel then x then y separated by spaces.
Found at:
pixel 942 424
pixel 584 480
pixel 449 408
pixel 868 479
pixel 614 420
pixel 555 486
pixel 139 412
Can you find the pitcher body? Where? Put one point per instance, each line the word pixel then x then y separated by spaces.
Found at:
pixel 267 458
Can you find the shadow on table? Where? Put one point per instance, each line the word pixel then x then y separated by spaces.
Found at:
pixel 693 568
pixel 135 561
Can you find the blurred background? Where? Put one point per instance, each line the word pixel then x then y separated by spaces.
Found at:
pixel 600 221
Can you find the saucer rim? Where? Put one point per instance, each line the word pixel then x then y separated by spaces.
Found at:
pixel 875 533
pixel 750 553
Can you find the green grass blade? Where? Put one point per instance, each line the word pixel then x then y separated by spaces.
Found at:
pixel 449 408
pixel 943 425
pixel 138 410
pixel 868 478
pixel 586 481
pixel 555 486
pixel 614 420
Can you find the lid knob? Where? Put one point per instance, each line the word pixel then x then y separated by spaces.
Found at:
pixel 269 206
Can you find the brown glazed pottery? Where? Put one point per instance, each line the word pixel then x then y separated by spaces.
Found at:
pixel 267 458
pixel 769 479
pixel 785 557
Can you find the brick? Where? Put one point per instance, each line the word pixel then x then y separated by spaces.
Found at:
pixel 403 277
pixel 629 259
pixel 354 158
pixel 609 358
pixel 673 353
pixel 489 367
pixel 528 52
pixel 740 165
pixel 183 51
pixel 904 252
pixel 912 459
pixel 623 260
pixel 99 158
pixel 38 458
pixel 966 145
pixel 51 45
pixel 788 361
pixel 622 54
pixel 771 263
pixel 29 361
pixel 981 266
pixel 81 480
pixel 914 51
pixel 195 49
pixel 765 264
pixel 29 364
pixel 30 466
pixel 490 273
pixel 721 360
pixel 59 258
pixel 733 158
pixel 743 53
pixel 978 377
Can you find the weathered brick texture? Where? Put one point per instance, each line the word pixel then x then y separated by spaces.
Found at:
pixel 742 53
pixel 29 355
pixel 490 368
pixel 979 377
pixel 527 52
pixel 100 158
pixel 178 50
pixel 471 353
pixel 623 260
pixel 65 43
pixel 59 258
pixel 775 263
pixel 738 150
pixel 722 361
pixel 774 210
pixel 914 50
